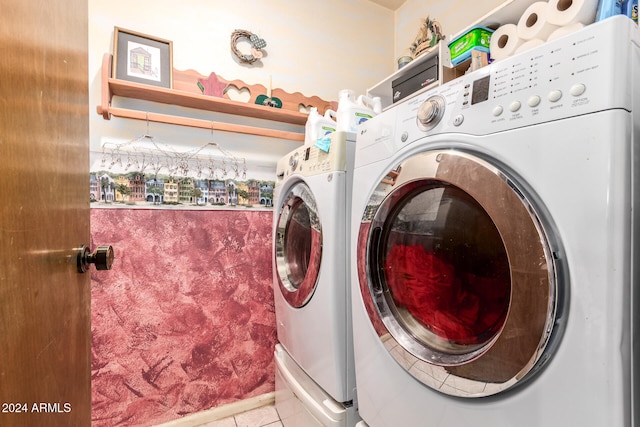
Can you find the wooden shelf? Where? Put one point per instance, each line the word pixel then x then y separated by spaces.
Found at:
pixel 202 102
pixel 115 87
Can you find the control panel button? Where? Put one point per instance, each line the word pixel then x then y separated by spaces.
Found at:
pixel 577 89
pixel 457 120
pixel 497 110
pixel 430 112
pixel 554 95
pixel 533 101
pixel 514 106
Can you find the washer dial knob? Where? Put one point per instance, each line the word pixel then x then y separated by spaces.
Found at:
pixel 293 162
pixel 430 112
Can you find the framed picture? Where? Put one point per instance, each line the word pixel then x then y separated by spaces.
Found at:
pixel 142 59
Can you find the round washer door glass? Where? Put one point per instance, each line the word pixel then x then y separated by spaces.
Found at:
pixel 298 247
pixel 457 274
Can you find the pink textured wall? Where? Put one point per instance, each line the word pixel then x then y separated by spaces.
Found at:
pixel 185 320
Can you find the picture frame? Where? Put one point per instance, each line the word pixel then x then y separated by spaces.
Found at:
pixel 142 58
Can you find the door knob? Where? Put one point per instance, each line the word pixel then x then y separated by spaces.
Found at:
pixel 102 258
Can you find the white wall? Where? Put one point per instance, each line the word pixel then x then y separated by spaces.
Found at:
pixel 314 47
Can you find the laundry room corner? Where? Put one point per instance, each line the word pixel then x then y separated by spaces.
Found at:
pixel 185 321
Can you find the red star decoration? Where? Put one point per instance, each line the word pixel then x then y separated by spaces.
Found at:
pixel 213 86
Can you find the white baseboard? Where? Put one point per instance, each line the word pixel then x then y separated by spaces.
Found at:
pixel 221 412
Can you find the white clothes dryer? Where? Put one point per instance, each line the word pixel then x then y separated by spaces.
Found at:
pixel 315 383
pixel 495 238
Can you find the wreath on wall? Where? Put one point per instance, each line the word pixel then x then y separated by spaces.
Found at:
pixel 257 44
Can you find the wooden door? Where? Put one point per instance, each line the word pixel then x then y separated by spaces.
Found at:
pixel 44 214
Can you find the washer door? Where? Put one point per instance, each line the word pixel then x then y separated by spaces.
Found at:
pixel 298 245
pixel 456 274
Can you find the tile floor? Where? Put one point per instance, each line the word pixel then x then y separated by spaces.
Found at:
pixel 265 416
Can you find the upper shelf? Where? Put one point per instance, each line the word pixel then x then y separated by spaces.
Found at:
pixel 383 89
pixel 184 94
pixel 509 12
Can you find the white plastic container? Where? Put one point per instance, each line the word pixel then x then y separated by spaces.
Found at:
pixel 318 126
pixel 351 112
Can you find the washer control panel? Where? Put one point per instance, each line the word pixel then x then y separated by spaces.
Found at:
pixel 580 73
pixel 311 160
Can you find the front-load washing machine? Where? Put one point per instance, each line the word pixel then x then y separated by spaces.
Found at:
pixel 495 239
pixel 315 384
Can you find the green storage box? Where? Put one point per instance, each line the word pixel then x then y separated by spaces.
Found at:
pixel 476 38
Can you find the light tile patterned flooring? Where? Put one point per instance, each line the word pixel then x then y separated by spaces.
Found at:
pixel 265 416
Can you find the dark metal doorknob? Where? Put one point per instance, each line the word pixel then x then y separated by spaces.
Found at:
pixel 102 258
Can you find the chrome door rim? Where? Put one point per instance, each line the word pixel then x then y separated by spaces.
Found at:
pixel 296 292
pixel 510 357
